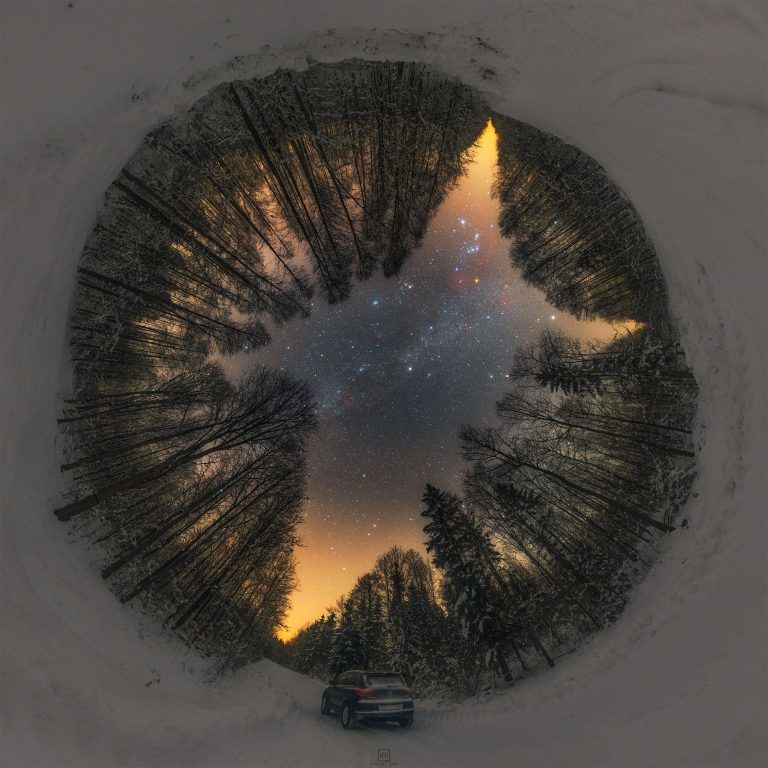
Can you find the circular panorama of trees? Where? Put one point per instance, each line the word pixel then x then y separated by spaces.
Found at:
pixel 231 218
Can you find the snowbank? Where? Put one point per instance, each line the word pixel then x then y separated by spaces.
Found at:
pixel 670 98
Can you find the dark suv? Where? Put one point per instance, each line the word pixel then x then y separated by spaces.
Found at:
pixel 360 696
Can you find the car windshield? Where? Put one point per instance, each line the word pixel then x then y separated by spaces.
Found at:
pixel 379 681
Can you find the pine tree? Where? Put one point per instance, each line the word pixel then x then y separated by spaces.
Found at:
pixel 346 651
pixel 460 550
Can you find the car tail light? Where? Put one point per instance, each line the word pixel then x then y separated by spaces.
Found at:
pixel 407 691
pixel 364 693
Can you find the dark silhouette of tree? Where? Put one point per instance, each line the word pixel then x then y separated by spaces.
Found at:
pixel 568 365
pixel 587 466
pixel 397 623
pixel 313 646
pixel 363 610
pixel 575 235
pixel 194 487
pixel 346 651
pixel 477 590
pixel 269 412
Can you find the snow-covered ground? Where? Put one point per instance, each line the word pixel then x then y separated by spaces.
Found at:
pixel 671 98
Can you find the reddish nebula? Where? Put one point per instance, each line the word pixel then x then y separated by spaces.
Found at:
pixel 460 282
pixel 346 400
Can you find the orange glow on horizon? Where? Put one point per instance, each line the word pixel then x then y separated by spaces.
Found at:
pixel 321 583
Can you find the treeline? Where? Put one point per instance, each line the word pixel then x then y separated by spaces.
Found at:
pixel 226 222
pixel 194 489
pixel 575 236
pixel 565 498
pixel 392 619
pixel 564 503
pixel 228 219
pixel 567 495
pixel 591 458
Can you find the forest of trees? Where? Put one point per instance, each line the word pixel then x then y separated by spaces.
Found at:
pixel 588 465
pixel 563 506
pixel 576 236
pixel 232 219
pixel 592 454
pixel 392 618
pixel 565 498
pixel 226 222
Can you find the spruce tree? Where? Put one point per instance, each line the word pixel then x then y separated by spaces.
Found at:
pixel 453 540
pixel 346 651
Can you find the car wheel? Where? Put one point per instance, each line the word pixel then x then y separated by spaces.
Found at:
pixel 346 716
pixel 325 708
pixel 406 722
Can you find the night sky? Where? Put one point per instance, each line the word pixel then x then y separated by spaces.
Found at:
pixel 396 370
